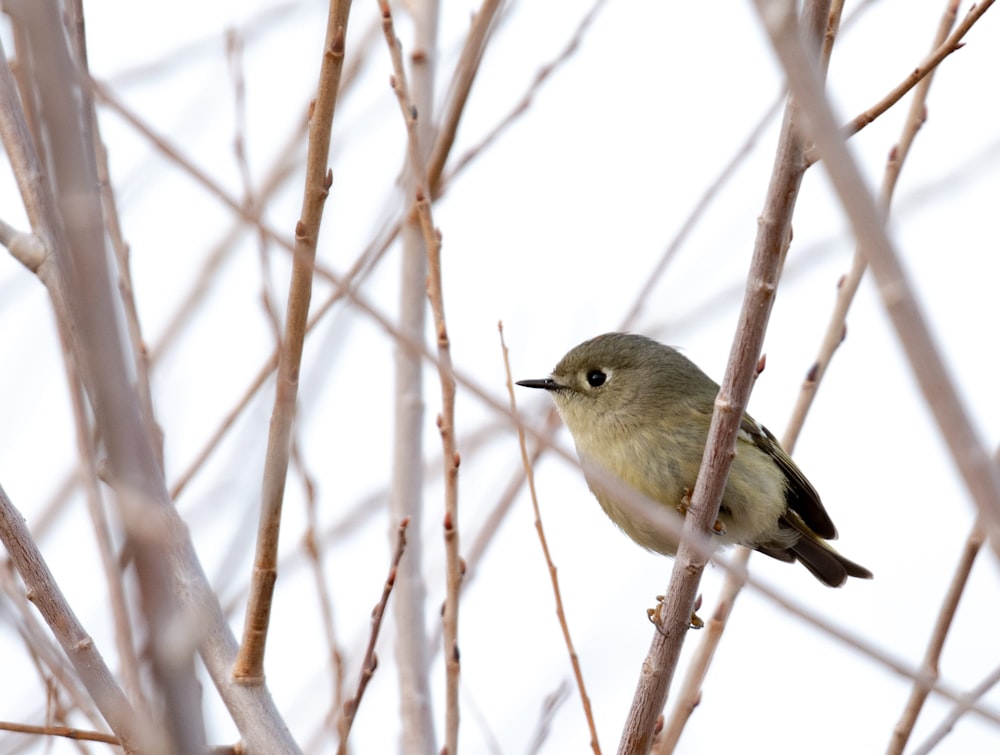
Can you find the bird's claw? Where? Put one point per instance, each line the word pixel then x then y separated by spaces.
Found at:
pixel 682 508
pixel 655 615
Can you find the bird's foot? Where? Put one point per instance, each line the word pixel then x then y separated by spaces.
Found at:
pixel 655 615
pixel 685 504
pixel 682 508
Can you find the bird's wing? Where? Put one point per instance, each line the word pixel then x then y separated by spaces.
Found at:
pixel 801 496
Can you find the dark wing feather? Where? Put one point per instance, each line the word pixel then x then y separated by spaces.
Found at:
pixel 801 496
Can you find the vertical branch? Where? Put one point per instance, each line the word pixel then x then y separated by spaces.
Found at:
pixel 773 236
pixel 124 636
pixel 832 339
pixel 249 668
pixel 446 419
pixel 406 497
pixel 92 134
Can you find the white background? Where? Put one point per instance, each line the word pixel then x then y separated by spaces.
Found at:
pixel 554 230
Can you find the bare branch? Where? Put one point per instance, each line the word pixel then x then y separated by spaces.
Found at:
pixel 946 615
pixel 446 374
pixel 44 592
pixel 249 667
pixel 529 474
pixel 370 662
pixel 774 229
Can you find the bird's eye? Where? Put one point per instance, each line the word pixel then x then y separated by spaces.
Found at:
pixel 596 378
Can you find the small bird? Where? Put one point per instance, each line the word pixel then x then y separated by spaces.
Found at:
pixel 641 411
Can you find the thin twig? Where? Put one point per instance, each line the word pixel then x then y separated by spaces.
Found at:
pixel 932 657
pixel 550 706
pixel 848 285
pixel 522 106
pixel 313 547
pixel 923 69
pixel 529 474
pixel 60 731
pixel 370 661
pixel 249 667
pixel 696 213
pixel 446 419
pixel 461 85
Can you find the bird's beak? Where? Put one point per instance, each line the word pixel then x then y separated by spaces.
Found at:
pixel 547 383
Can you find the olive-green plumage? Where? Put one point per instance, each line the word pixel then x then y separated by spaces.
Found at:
pixel 641 410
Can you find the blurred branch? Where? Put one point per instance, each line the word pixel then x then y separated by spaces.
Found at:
pixel 413 656
pixel 65 211
pixel 312 544
pixel 118 598
pixel 124 634
pixel 696 213
pixel 79 284
pixel 112 225
pixel 249 666
pixel 550 707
